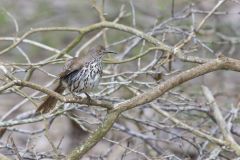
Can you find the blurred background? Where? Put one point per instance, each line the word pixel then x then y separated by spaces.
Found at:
pixel 175 21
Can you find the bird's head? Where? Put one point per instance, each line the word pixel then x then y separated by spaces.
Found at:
pixel 101 50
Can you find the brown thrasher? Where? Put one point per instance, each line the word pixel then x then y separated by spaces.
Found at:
pixel 79 75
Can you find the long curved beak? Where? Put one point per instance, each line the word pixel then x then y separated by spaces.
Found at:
pixel 109 51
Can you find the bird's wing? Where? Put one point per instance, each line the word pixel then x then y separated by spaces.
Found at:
pixel 72 65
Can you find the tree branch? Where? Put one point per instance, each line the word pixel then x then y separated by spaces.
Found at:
pixel 217 64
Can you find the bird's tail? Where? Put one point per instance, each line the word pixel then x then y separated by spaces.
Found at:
pixel 46 106
pixel 50 102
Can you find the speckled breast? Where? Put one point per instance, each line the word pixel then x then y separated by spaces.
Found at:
pixel 85 79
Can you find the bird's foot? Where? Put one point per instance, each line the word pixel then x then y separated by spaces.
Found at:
pixel 88 99
pixel 77 97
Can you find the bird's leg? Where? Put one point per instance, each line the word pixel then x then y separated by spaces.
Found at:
pixel 88 98
pixel 80 98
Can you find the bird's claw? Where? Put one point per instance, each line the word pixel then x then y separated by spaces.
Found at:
pixel 88 99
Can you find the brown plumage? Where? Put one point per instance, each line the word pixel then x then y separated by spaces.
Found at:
pixel 45 106
pixel 79 75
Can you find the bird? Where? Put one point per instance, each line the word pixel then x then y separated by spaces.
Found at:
pixel 79 75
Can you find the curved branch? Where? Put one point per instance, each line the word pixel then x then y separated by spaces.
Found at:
pixel 94 138
pixel 93 27
pixel 128 29
pixel 106 24
pixel 217 64
pixel 32 31
pixel 60 97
